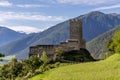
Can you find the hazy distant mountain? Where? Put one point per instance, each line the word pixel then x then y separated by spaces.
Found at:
pixel 52 35
pixel 94 24
pixel 8 35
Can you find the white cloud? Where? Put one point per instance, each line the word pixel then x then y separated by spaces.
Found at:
pixel 87 2
pixel 5 3
pixel 107 7
pixel 25 16
pixel 4 16
pixel 26 29
pixel 31 6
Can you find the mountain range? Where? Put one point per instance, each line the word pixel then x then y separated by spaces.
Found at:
pixel 7 35
pixel 94 24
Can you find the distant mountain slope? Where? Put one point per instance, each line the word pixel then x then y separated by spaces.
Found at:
pixel 7 35
pixel 17 45
pixel 46 37
pixel 97 46
pixel 94 24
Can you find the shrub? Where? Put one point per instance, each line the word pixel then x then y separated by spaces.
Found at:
pixel 44 58
pixel 2 55
pixel 81 55
pixel 113 44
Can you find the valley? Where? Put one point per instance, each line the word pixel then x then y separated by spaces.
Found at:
pixel 71 61
pixel 59 39
pixel 94 24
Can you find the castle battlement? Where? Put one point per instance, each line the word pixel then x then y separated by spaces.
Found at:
pixel 74 21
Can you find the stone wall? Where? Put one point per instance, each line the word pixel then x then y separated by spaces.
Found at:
pixel 75 42
pixel 37 50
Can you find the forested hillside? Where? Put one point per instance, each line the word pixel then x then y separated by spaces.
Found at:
pixel 97 46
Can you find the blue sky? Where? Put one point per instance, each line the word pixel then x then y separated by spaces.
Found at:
pixel 37 15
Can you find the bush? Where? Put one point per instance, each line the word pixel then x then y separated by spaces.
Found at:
pixel 21 68
pixel 44 58
pixel 114 44
pixel 2 55
pixel 47 67
pixel 26 68
pixel 81 55
pixel 57 55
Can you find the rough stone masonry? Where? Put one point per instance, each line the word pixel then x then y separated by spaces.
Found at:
pixel 75 42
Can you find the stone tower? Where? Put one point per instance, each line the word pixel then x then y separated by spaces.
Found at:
pixel 75 42
pixel 76 32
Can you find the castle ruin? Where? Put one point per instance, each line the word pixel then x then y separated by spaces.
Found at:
pixel 75 41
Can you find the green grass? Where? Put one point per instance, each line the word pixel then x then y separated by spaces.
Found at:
pixel 108 69
pixel 41 76
pixel 1 65
pixel 115 57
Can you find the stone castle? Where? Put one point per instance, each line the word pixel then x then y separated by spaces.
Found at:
pixel 75 41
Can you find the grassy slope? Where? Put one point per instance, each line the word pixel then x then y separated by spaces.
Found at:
pixel 1 65
pixel 103 70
